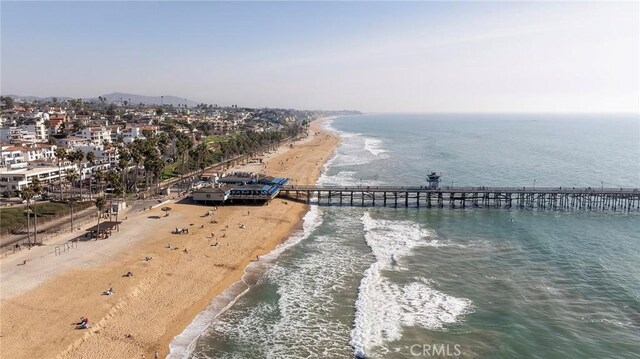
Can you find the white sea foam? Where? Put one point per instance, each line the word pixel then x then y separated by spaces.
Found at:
pixel 342 178
pixel 307 291
pixel 383 307
pixel 374 145
pixel 356 148
pixel 183 345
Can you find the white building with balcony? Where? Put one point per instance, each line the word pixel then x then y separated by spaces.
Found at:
pixel 11 157
pixel 15 180
pixel 96 135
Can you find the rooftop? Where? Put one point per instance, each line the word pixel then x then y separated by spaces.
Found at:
pixel 30 170
pixel 212 190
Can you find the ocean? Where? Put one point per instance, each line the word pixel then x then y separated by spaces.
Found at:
pixel 472 283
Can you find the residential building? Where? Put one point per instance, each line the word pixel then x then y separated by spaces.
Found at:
pixel 96 134
pixel 11 157
pixel 15 180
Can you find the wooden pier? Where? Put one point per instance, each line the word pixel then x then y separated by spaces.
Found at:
pixel 561 198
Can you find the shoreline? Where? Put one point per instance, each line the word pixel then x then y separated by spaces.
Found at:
pixel 149 310
pixel 226 298
pixel 183 344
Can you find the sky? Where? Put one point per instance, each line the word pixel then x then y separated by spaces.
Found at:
pixel 368 56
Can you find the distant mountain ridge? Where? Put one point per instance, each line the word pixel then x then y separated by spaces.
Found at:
pixel 120 97
pixel 148 100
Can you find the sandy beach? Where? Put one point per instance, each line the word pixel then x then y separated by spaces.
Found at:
pixel 41 301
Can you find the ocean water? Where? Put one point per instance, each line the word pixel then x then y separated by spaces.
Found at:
pixel 475 283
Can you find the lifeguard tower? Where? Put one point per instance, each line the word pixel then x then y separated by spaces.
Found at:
pixel 433 179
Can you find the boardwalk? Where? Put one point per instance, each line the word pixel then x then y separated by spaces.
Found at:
pixel 559 198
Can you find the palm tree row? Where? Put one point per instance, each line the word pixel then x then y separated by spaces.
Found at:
pixel 62 155
pixel 28 194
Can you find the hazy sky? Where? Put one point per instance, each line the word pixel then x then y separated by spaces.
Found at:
pixel 371 56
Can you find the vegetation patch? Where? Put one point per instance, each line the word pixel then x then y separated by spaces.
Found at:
pixel 16 217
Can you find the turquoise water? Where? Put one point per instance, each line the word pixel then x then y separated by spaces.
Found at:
pixel 476 283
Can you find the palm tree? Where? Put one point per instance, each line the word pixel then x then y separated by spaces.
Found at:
pixel 71 175
pixel 137 160
pixel 183 144
pixel 78 156
pixel 100 204
pixel 61 155
pixel 91 158
pixel 123 163
pixel 36 187
pixel 113 179
pixel 154 165
pixel 100 176
pixel 27 194
pixel 118 191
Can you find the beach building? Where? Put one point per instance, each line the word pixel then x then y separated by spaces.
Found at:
pixel 260 192
pixel 241 187
pixel 211 195
pixel 210 175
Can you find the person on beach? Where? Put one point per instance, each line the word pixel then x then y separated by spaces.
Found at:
pixel 84 322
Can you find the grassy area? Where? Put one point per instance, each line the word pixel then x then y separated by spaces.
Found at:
pixel 14 217
pixel 214 139
pixel 170 171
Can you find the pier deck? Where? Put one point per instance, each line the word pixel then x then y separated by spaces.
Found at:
pixel 556 198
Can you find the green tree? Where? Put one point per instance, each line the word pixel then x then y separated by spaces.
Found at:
pixel 154 166
pixel 36 187
pixel 137 160
pixel 71 175
pixel 78 156
pixel 91 157
pixel 101 202
pixel 7 102
pixel 27 194
pixel 61 156
pixel 99 175
pixel 124 160
pixel 112 110
pixel 114 181
pixel 183 144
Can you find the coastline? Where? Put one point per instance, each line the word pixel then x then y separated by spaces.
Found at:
pixel 169 291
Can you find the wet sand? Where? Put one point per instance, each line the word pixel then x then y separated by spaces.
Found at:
pixel 42 299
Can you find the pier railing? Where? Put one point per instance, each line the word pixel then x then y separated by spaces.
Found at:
pixel 556 198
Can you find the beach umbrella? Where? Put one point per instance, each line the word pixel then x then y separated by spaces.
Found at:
pixel 166 209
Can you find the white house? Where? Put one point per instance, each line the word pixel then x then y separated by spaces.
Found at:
pixel 11 157
pixel 16 134
pixel 16 180
pixel 73 142
pixel 96 135
pixel 39 151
